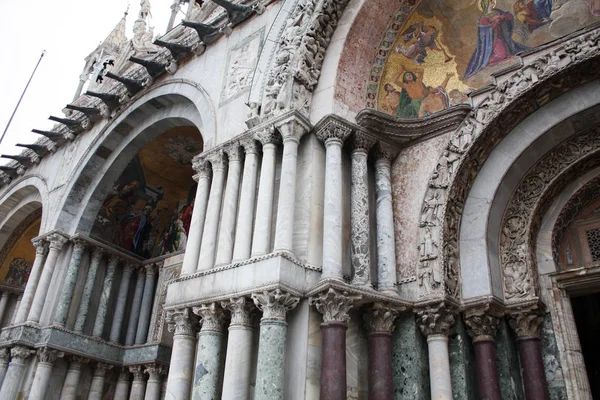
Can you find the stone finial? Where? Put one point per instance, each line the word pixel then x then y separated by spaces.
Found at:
pixel 181 322
pixel 334 305
pixel 526 323
pixel 57 241
pixel 274 304
pixel 21 353
pixel 362 142
pixel 334 130
pixel 213 317
pixel 380 318
pixel 4 355
pixel 155 371
pixel 268 135
pixel 435 320
pixel 482 326
pixel 139 373
pixel 49 356
pixel 241 311
pixel 41 246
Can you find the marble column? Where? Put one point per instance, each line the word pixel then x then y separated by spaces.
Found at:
pixel 43 371
pixel 526 325
pixel 359 210
pixel 84 304
pixel 17 305
pixel 138 386
pixel 144 322
pixel 69 389
pixel 334 305
pixel 482 328
pixel 435 324
pixel 245 218
pixel 238 360
pixel 119 314
pixel 183 324
pixel 154 386
pixel 15 372
pixel 97 385
pixel 333 134
pixel 4 360
pixel 3 303
pixel 261 239
pixel 192 248
pixel 41 249
pixel 379 320
pixel 230 204
pixel 291 131
pixel 136 306
pixel 213 213
pixel 209 353
pixel 109 279
pixel 270 367
pixel 68 287
pixel 57 241
pixel 386 246
pixel 122 388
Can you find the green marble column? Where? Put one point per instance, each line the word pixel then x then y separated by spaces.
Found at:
pixel 552 367
pixel 507 361
pixel 462 366
pixel 64 302
pixel 409 360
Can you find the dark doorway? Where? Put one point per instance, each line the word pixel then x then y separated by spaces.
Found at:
pixel 587 318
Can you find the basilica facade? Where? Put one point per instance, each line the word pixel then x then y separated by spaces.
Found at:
pixel 304 199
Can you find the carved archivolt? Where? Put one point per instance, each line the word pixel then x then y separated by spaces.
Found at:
pixel 568 65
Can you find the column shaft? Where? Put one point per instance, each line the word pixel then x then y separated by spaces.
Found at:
pixel 386 247
pixel 41 380
pixel 4 359
pixel 109 279
pixel 154 385
pixel 97 385
pixel 181 368
pixel 192 249
pixel 209 353
pixel 359 216
pixel 138 387
pixel 271 361
pixel 381 383
pixel 117 323
pixel 487 376
pixel 142 329
pixel 284 229
pixel 532 368
pixel 68 288
pixel 3 303
pixel 14 374
pixel 33 281
pixel 439 367
pixel 230 204
pixel 69 389
pixel 136 306
pixel 333 361
pixel 261 240
pixel 211 227
pixel 122 389
pixel 332 219
pixel 84 304
pixel 245 219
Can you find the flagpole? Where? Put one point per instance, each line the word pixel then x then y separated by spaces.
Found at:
pixel 22 95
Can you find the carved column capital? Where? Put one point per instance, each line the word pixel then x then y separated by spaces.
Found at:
pixel 526 323
pixel 97 253
pixel 249 145
pixel 20 353
pixel 482 326
pixel 334 131
pixel 274 304
pixel 155 371
pixel 213 317
pixel 4 355
pixel 151 269
pixel 129 268
pixel 101 368
pixel 218 160
pixel 49 356
pixel 380 318
pixel 334 305
pixel 362 142
pixel 139 373
pixel 124 374
pixel 41 246
pixel 76 362
pixel 114 260
pixel 140 271
pixel 435 320
pixel 234 152
pixel 57 241
pixel 202 168
pixel 241 311
pixel 384 153
pixel 181 322
pixel 79 244
pixel 291 129
pixel 268 135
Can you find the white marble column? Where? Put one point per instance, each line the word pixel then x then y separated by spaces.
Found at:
pixel 41 249
pixel 136 306
pixel 230 204
pixel 333 134
pixel 43 371
pixel 97 385
pixel 245 218
pixel 213 213
pixel 181 370
pixel 84 304
pixel 69 389
pixel 70 279
pixel 4 360
pixel 192 249
pixel 57 241
pixel 386 246
pixel 154 386
pixel 270 366
pixel 17 304
pixel 291 132
pixel 138 386
pixel 119 314
pixel 261 240
pixel 435 323
pixel 3 303
pixel 15 372
pixel 144 322
pixel 359 210
pixel 238 360
pixel 122 389
pixel 109 279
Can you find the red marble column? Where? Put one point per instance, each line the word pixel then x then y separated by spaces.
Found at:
pixel 333 361
pixel 532 368
pixel 487 377
pixel 381 384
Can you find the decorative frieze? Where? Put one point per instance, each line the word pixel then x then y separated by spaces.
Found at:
pixel 380 318
pixel 213 317
pixel 334 305
pixel 274 304
pixel 435 320
pixel 181 322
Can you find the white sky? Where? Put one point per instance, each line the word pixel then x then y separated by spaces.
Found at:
pixel 68 30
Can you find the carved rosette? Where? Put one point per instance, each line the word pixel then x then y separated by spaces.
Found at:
pixel 20 353
pixel 41 247
pixel 274 304
pixel 526 324
pixel 334 305
pixel 268 136
pixel 101 369
pixel 435 321
pixel 482 327
pixel 380 318
pixel 241 311
pixel 57 241
pixel 213 317
pixel 156 371
pixel 181 322
pixel 4 355
pixel 139 373
pixel 334 132
pixel 49 356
